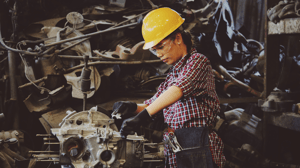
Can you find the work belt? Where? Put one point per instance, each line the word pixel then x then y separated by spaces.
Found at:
pixel 191 146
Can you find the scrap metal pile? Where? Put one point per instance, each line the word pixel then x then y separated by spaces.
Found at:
pixel 60 60
pixel 284 9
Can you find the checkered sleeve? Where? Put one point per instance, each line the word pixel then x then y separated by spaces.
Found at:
pixel 192 80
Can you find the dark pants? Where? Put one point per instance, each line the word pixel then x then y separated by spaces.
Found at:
pixel 196 152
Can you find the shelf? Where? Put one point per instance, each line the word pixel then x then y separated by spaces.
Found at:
pixel 285 26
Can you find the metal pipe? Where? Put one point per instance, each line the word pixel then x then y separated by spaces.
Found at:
pixel 43 151
pixel 238 83
pixel 12 49
pixel 45 160
pixel 12 75
pixel 78 57
pixel 152 160
pixel 49 139
pixel 113 62
pixel 31 83
pixel 84 101
pixel 12 154
pixel 91 34
pixel 64 49
pixel 48 50
pixel 83 77
pixel 45 156
pixel 44 135
pixel 130 19
pixel 51 143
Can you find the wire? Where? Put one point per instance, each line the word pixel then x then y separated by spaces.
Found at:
pixel 3 60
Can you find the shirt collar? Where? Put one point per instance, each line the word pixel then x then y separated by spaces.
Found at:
pixel 184 59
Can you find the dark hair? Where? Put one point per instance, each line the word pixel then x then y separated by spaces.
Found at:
pixel 186 37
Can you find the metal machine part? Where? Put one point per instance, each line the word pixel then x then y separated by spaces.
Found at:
pixel 13 135
pixel 91 139
pixel 88 138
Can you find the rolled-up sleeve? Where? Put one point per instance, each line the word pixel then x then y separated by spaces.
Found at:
pixel 154 97
pixel 192 80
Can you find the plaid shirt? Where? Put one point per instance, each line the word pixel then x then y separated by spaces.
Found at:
pixel 199 105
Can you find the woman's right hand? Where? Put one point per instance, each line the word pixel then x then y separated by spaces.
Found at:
pixel 125 109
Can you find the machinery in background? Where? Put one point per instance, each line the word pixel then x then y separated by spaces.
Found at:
pixel 60 59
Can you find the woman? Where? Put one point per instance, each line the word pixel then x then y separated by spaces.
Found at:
pixel 187 96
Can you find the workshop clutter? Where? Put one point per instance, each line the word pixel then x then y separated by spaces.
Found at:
pixel 75 56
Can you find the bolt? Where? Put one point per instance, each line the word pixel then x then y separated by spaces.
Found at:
pixel 74 152
pixel 16 133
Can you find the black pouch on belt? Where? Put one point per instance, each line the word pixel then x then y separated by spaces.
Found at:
pixel 196 152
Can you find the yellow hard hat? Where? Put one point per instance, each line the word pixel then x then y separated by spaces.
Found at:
pixel 158 24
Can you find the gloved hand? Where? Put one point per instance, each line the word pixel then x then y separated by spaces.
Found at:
pixel 132 124
pixel 125 108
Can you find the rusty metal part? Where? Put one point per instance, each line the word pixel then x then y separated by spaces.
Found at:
pixel 34 29
pixel 92 34
pixel 114 62
pixel 74 18
pixel 237 82
pixel 287 10
pixel 51 143
pixel 218 75
pixel 82 47
pixel 4 135
pixel 85 80
pixel 47 51
pixel 43 151
pixel 78 57
pixel 227 85
pixel 74 80
pixel 35 82
pixel 123 53
pixel 72 45
pixel 40 103
pixel 297 7
pixel 152 4
pixel 44 156
pixel 11 153
pixel 272 13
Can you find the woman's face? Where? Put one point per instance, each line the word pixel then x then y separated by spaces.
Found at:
pixel 170 51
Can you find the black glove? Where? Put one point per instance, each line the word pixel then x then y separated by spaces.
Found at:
pixel 132 124
pixel 125 108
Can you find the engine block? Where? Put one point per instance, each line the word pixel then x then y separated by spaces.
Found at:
pixel 90 139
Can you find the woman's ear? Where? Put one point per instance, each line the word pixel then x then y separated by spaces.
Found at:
pixel 178 38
